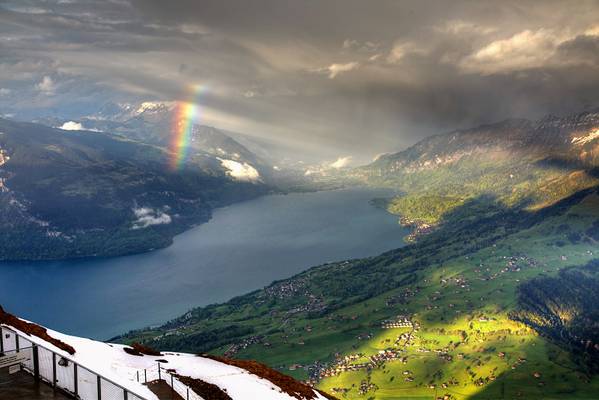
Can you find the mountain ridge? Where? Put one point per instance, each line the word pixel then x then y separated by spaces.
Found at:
pixel 514 160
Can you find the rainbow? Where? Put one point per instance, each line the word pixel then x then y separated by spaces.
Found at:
pixel 187 113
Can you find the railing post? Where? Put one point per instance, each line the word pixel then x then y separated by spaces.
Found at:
pixel 36 362
pixel 99 387
pixel 54 370
pixel 187 392
pixel 125 395
pixel 145 376
pixel 137 373
pixel 172 388
pixel 159 376
pixel 75 379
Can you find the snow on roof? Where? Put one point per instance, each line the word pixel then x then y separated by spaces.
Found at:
pixel 113 363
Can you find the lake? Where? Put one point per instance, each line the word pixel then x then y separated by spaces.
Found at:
pixel 242 248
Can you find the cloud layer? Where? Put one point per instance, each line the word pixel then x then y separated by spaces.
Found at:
pixel 329 76
pixel 147 216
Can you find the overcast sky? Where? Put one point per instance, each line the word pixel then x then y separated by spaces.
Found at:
pixel 340 77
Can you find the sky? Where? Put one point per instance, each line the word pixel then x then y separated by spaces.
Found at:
pixel 340 78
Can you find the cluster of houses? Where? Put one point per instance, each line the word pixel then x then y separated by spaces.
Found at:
pixel 517 262
pixel 366 386
pixel 348 363
pixel 419 228
pixel 399 322
pixel 170 332
pixel 341 391
pixel 314 304
pixel 403 297
pixel 512 264
pixel 244 344
pixel 518 362
pixel 286 289
pixel 407 338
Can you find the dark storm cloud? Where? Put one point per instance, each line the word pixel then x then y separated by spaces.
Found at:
pixel 334 76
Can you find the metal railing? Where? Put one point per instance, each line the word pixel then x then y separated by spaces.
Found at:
pixel 157 373
pixel 61 371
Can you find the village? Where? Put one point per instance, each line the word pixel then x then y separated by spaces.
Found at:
pixel 419 336
pixel 411 345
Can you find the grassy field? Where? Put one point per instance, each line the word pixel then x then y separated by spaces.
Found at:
pixel 470 323
pixel 326 325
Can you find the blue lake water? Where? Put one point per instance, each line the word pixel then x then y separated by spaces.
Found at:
pixel 244 247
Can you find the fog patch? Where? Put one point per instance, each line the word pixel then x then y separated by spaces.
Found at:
pixel 341 162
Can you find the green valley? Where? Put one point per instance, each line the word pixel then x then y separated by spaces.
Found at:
pixel 462 312
pixel 334 324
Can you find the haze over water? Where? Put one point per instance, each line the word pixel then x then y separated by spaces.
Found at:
pixel 244 247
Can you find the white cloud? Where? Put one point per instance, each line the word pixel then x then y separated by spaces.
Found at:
pixel 76 126
pixel 194 29
pixel 341 162
pixel 27 10
pixel 72 126
pixel 147 216
pixel 526 49
pixel 5 92
pixel 349 43
pixel 240 171
pixel 46 85
pixel 401 49
pixel 335 69
pixel 592 31
pixel 458 27
pixel 326 167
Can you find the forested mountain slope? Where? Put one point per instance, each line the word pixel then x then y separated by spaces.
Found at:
pixel 81 193
pixel 520 163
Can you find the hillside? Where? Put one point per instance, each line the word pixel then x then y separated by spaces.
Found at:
pixel 433 317
pixel 466 311
pixel 81 193
pixel 520 163
pixel 130 368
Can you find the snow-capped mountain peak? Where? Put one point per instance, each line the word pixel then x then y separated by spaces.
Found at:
pixel 155 107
